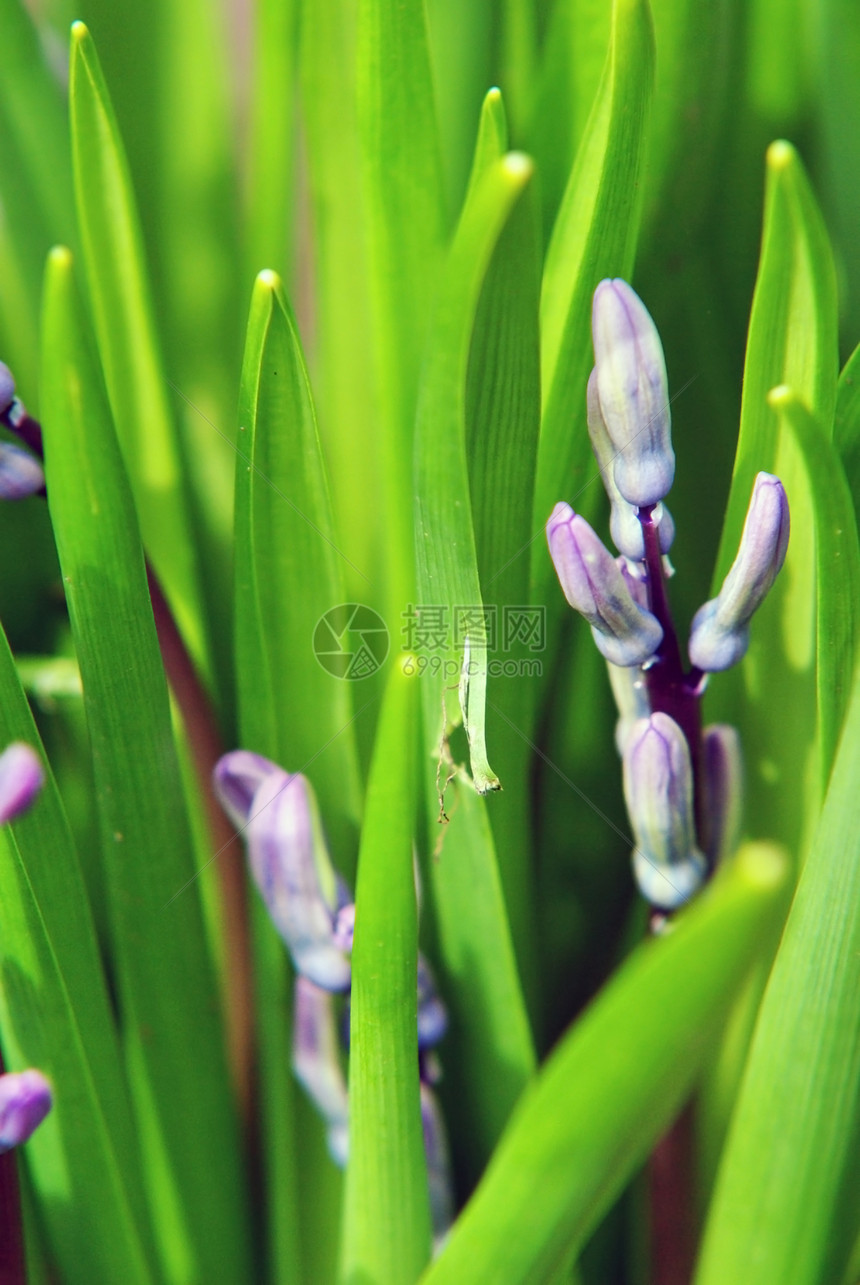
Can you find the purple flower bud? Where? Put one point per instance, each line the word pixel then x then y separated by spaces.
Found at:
pixel 719 635
pixel 316 1062
pixel 432 1017
pixel 722 775
pixel 438 1166
pixel 289 860
pixel 7 388
pixel 25 1100
pixel 632 389
pixel 21 779
pixel 593 584
pixel 237 778
pixel 658 790
pixel 21 474
pixel 624 525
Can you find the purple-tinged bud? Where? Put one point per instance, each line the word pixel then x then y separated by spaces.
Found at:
pixel 316 1062
pixel 21 474
pixel 7 388
pixel 633 393
pixel 630 690
pixel 719 635
pixel 21 779
pixel 237 777
pixel 722 777
pixel 594 585
pixel 344 928
pixel 624 525
pixel 289 860
pixel 658 790
pixel 432 1016
pixel 25 1100
pixel 438 1166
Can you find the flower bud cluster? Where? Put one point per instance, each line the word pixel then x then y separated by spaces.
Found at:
pixel 682 784
pixel 21 473
pixel 312 910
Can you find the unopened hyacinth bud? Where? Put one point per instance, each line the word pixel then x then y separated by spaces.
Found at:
pixel 722 775
pixel 316 1062
pixel 21 474
pixel 632 391
pixel 438 1166
pixel 631 699
pixel 289 860
pixel 432 1015
pixel 658 790
pixel 719 635
pixel 21 778
pixel 594 585
pixel 7 387
pixel 25 1100
pixel 624 525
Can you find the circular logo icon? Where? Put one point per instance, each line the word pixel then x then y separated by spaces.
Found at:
pixel 351 641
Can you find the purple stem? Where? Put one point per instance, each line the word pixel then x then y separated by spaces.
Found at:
pixel 16 419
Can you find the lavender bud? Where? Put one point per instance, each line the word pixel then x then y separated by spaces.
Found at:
pixel 722 776
pixel 432 1017
pixel 624 525
pixel 633 393
pixel 21 779
pixel 316 1062
pixel 21 474
pixel 438 1166
pixel 658 790
pixel 25 1100
pixel 719 635
pixel 289 860
pixel 237 778
pixel 7 388
pixel 593 584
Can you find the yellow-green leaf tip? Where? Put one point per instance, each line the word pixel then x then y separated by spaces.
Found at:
pixel 780 155
pixel 60 256
pixel 763 866
pixel 269 278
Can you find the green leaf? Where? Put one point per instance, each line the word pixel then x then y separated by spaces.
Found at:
pixel 837 570
pixel 55 1014
pixel 342 365
pixel 167 995
pixel 563 90
pixel 128 343
pixel 846 425
pixel 791 341
pixel 288 574
pixel 594 237
pixel 461 47
pixel 489 1054
pixel 289 570
pixel 270 148
pixel 611 1087
pixel 785 1206
pixel 492 141
pixel 35 187
pixel 445 541
pixel 404 212
pixel 502 422
pixel 386 1230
